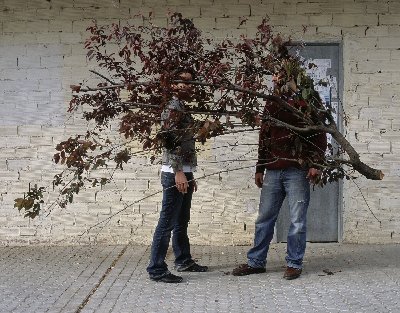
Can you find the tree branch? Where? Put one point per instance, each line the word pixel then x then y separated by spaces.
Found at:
pixel 104 77
pixel 354 157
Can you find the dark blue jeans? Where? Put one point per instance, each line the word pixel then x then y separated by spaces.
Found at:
pixel 174 217
pixel 278 184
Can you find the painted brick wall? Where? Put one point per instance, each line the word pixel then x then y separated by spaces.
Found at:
pixel 41 54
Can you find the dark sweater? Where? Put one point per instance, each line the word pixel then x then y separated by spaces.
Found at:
pixel 277 144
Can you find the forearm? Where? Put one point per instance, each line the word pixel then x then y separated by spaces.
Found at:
pixel 321 143
pixel 171 135
pixel 176 161
pixel 263 142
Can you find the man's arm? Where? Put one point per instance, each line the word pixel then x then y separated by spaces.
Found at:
pixel 170 123
pixel 263 143
pixel 170 127
pixel 320 144
pixel 262 154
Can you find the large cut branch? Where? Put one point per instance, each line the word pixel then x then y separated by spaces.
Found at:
pixel 332 129
pixel 354 157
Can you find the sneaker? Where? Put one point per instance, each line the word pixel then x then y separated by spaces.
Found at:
pixel 245 269
pixel 194 267
pixel 169 278
pixel 292 273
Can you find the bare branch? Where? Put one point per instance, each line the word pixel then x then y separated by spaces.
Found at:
pixel 104 77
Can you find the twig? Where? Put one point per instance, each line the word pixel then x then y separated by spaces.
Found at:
pixel 157 192
pixel 365 200
pixel 102 76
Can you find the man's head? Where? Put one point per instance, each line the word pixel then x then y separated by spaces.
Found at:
pixel 283 84
pixel 278 78
pixel 182 90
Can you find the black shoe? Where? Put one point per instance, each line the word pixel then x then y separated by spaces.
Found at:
pixel 194 267
pixel 169 278
pixel 245 269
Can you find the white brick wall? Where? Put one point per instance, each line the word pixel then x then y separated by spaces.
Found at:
pixel 41 54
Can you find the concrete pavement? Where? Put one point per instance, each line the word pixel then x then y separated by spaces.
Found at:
pixel 336 278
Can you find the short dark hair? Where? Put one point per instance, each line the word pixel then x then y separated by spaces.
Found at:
pixel 180 70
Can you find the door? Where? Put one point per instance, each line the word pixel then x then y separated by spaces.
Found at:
pixel 323 218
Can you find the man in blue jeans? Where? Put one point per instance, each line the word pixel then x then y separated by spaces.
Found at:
pixel 179 163
pixel 283 155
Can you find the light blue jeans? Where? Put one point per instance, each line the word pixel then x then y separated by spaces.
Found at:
pixel 278 184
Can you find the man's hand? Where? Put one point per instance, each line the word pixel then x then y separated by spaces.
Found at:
pixel 259 179
pixel 181 182
pixel 313 174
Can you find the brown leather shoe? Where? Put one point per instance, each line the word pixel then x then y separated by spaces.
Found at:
pixel 292 273
pixel 244 269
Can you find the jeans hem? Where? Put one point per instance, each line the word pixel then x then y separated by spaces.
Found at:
pixel 253 265
pixel 184 265
pixel 289 264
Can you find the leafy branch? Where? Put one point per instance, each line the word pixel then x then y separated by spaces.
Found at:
pixel 229 92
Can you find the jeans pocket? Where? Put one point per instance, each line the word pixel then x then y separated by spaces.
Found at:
pixel 167 179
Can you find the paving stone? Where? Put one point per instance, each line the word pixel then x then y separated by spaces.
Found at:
pixel 336 278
